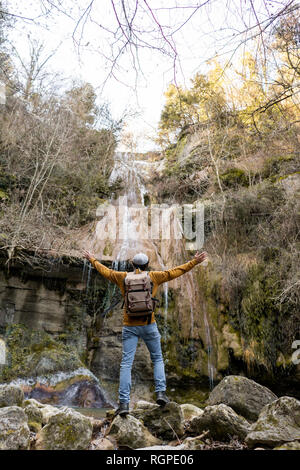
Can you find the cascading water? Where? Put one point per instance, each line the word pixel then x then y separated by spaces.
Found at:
pixel 130 239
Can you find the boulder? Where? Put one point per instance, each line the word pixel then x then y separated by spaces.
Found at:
pixel 277 424
pixel 190 411
pixel 221 421
pixel 193 443
pixel 11 395
pixel 14 430
pixel 66 430
pixel 165 422
pixel 47 412
pixel 35 417
pixel 145 405
pixel 131 432
pixel 32 401
pixel 294 445
pixel 243 395
pixel 33 413
pixel 102 444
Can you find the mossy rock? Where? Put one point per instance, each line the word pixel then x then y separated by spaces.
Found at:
pixel 165 422
pixel 243 395
pixel 34 413
pixel 222 422
pixel 66 430
pixel 131 432
pixel 11 395
pixel 278 423
pixel 32 353
pixel 14 430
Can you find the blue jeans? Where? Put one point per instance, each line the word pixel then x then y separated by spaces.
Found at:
pixel 130 336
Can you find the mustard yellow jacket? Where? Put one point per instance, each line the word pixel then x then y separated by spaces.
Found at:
pixel 157 277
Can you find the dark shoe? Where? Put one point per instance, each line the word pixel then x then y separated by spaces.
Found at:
pixel 123 409
pixel 162 399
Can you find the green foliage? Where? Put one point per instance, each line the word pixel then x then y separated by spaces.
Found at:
pixel 234 177
pixel 186 107
pixel 280 165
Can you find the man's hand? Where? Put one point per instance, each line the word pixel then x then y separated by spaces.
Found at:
pixel 200 257
pixel 86 254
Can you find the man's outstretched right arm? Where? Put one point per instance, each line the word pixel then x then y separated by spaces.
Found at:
pixel 164 276
pixel 110 274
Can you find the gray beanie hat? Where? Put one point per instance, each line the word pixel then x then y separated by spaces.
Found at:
pixel 140 259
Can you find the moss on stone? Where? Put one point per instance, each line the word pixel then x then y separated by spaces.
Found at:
pixel 26 349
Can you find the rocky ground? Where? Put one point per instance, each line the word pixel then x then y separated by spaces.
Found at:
pixel 240 414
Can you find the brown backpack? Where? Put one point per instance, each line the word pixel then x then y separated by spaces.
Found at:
pixel 138 294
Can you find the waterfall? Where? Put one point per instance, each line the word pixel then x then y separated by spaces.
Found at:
pixel 209 349
pixel 130 238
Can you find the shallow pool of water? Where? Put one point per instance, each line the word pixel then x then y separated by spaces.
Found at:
pixel 97 413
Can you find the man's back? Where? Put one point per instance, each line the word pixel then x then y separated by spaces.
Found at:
pixel 157 278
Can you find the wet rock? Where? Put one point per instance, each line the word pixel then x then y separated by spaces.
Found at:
pixel 190 411
pixel 294 445
pixel 277 424
pixel 14 430
pixel 165 422
pixel 243 395
pixel 11 395
pixel 66 430
pixel 131 432
pixel 73 388
pixel 221 421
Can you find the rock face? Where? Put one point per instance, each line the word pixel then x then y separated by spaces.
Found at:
pixel 14 430
pixel 46 327
pixel 74 388
pixel 277 424
pixel 165 422
pixel 66 430
pixel 131 432
pixel 221 421
pixel 243 395
pixel 10 395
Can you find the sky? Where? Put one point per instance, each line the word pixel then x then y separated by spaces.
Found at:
pixel 135 90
